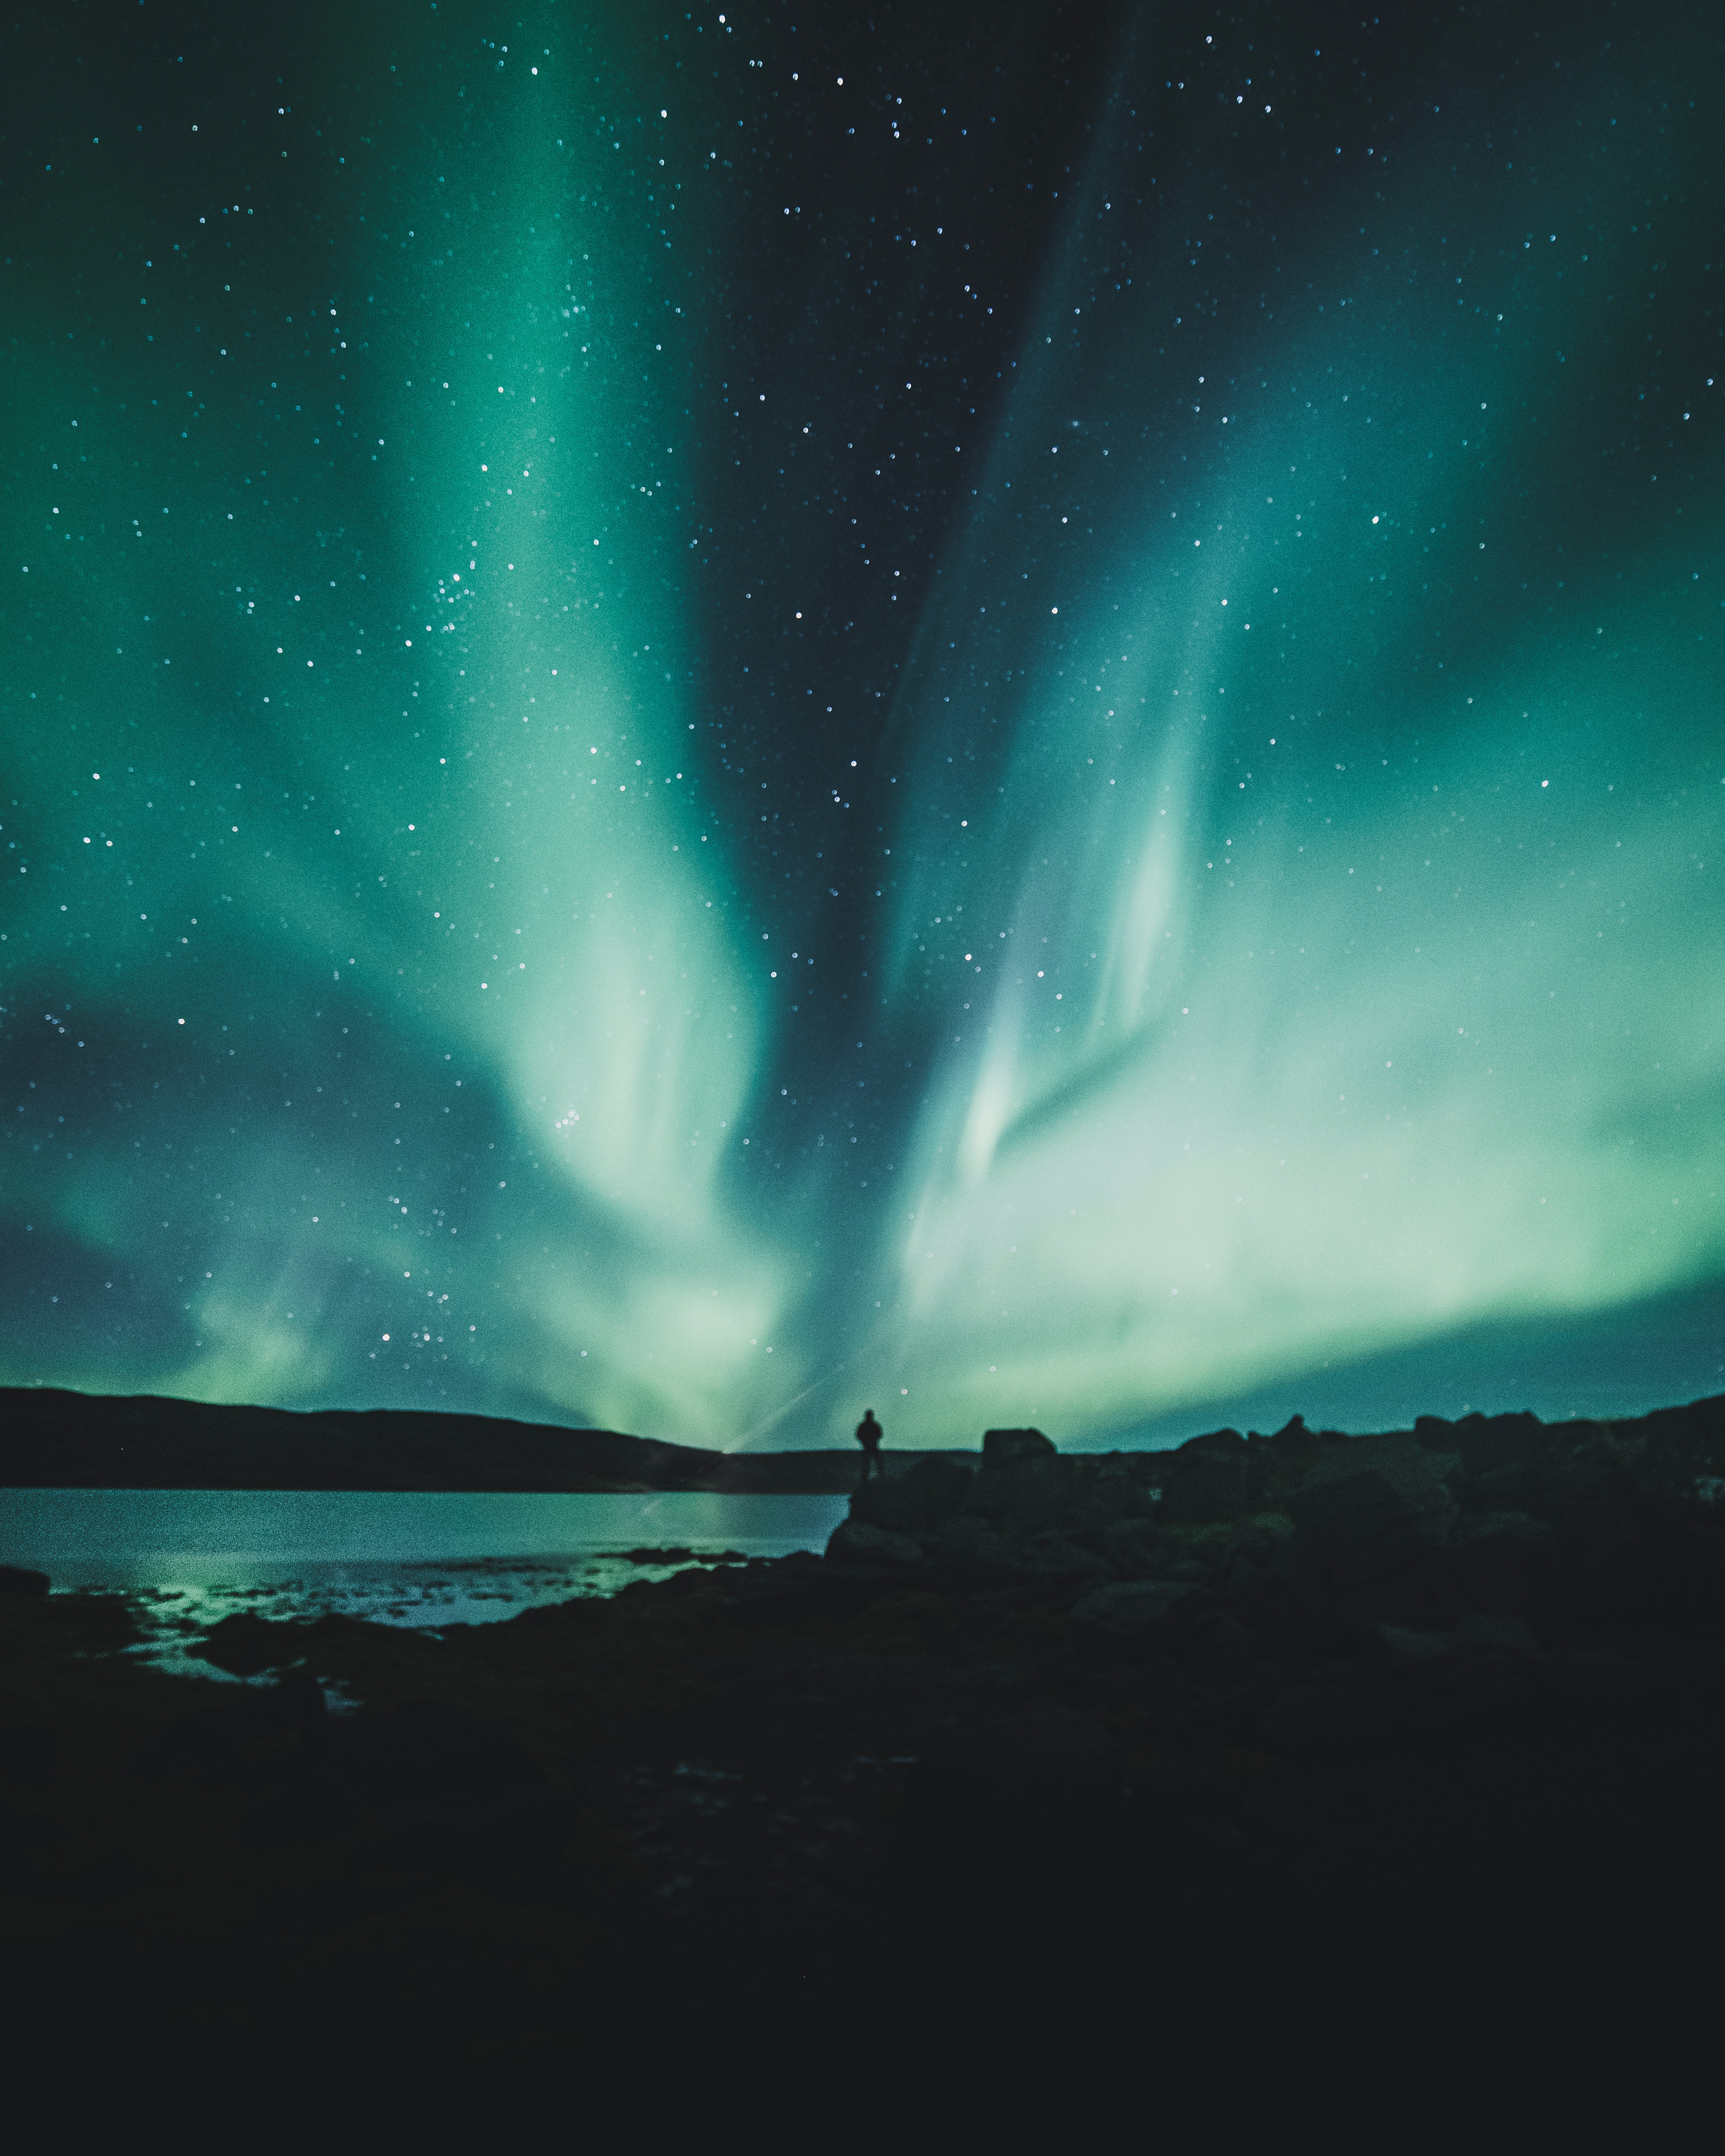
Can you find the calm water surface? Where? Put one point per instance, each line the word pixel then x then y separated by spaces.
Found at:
pixel 432 1559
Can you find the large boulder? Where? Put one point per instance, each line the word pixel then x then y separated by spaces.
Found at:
pixel 21 1579
pixel 855 1541
pixel 1209 1478
pixel 934 1490
pixel 1370 1510
pixel 1034 1491
pixel 1484 1444
pixel 1006 1448
pixel 246 1645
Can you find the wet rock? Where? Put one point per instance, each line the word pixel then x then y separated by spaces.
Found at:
pixel 257 1730
pixel 246 1646
pixel 855 1541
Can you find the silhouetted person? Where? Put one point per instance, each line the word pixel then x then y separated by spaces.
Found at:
pixel 869 1434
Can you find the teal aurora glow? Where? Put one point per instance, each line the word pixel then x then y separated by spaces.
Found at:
pixel 688 743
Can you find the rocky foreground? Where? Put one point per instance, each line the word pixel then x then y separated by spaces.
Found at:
pixel 1300 1740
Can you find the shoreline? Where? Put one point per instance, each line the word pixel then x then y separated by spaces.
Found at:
pixel 1392 1740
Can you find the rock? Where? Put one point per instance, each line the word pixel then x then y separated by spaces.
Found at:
pixel 855 1541
pixel 227 1737
pixel 1486 1443
pixel 1286 1458
pixel 1127 1609
pixel 1370 1510
pixel 1032 1492
pixel 20 1579
pixel 1676 1457
pixel 974 1551
pixel 934 1490
pixel 1263 1536
pixel 1588 1489
pixel 1207 1478
pixel 1005 1448
pixel 1500 1563
pixel 1137 1547
pixel 1116 1497
pixel 246 1646
pixel 1054 1554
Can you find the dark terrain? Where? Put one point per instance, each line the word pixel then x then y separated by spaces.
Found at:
pixel 53 1440
pixel 1292 1754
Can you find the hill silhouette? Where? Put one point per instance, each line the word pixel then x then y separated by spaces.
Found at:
pixel 55 1438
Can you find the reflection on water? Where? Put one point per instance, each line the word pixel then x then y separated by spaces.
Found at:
pixel 188 1558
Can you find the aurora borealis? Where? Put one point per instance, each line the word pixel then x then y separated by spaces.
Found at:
pixel 709 715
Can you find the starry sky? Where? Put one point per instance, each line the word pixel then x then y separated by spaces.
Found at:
pixel 1013 712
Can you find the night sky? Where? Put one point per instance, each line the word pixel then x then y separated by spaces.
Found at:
pixel 1011 712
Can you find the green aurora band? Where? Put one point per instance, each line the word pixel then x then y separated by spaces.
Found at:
pixel 1279 924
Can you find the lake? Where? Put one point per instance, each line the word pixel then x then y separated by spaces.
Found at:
pixel 431 1558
